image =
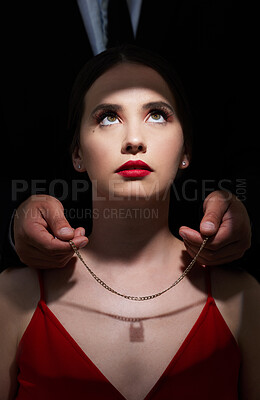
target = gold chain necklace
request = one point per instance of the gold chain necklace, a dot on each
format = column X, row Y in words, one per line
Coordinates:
column 139, row 298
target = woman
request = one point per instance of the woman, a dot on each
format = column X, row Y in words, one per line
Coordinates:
column 121, row 335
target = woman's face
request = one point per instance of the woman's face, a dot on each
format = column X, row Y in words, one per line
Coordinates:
column 130, row 115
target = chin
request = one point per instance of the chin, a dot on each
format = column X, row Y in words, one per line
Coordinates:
column 137, row 191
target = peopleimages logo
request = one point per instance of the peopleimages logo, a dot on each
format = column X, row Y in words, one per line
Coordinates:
column 111, row 213
column 95, row 213
column 187, row 190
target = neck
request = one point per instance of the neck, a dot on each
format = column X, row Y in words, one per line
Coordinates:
column 129, row 231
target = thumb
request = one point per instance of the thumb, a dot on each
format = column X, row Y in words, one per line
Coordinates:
column 214, row 206
column 57, row 223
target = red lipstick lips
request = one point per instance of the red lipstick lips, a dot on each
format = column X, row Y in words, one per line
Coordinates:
column 134, row 169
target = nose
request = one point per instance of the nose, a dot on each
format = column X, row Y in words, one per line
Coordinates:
column 133, row 143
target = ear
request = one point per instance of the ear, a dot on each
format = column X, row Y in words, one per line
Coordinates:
column 78, row 160
column 184, row 163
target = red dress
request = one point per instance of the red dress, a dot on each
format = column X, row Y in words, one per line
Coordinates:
column 53, row 367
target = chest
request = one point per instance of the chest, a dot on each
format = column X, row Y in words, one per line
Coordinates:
column 129, row 344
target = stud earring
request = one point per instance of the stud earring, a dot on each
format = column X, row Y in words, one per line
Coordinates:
column 79, row 166
column 183, row 163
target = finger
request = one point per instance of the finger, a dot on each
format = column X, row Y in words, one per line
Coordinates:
column 215, row 206
column 209, row 257
column 79, row 232
column 53, row 214
column 43, row 240
column 191, row 236
column 80, row 241
column 53, row 244
column 216, row 243
column 40, row 238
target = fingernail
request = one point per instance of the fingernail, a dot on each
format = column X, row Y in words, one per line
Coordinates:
column 183, row 235
column 83, row 244
column 65, row 231
column 208, row 226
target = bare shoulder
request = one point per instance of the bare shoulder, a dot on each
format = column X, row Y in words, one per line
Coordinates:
column 236, row 292
column 19, row 294
column 237, row 295
column 228, row 282
column 19, row 289
column 240, row 287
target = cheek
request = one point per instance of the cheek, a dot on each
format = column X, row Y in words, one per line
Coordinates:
column 96, row 155
column 171, row 150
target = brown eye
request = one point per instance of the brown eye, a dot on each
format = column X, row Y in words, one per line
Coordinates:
column 109, row 119
column 157, row 117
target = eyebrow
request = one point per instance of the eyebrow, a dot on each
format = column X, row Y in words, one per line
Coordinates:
column 117, row 107
column 158, row 104
column 106, row 107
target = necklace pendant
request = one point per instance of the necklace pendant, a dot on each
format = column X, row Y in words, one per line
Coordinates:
column 136, row 331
